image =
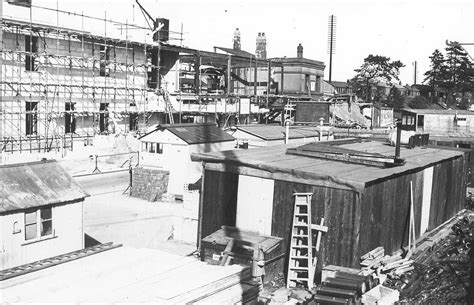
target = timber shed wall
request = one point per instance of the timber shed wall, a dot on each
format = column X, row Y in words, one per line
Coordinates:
column 358, row 222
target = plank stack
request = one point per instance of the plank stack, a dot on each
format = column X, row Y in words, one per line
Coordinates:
column 377, row 262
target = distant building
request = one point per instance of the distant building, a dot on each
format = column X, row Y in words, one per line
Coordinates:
column 40, row 213
column 299, row 75
column 342, row 87
column 438, row 122
column 169, row 147
column 261, row 49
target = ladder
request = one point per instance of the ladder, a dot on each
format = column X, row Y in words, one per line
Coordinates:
column 303, row 253
column 168, row 106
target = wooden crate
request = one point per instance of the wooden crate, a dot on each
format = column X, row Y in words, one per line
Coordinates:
column 268, row 263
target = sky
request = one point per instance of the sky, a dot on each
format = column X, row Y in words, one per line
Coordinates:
column 408, row 31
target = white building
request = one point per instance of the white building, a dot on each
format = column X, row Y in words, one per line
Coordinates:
column 40, row 213
column 169, row 147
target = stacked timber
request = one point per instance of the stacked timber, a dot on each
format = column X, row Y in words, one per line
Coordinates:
column 383, row 265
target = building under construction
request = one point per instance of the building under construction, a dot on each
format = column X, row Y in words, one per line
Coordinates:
column 61, row 85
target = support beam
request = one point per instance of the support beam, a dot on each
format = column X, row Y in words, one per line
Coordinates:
column 229, row 67
column 282, row 78
column 255, row 79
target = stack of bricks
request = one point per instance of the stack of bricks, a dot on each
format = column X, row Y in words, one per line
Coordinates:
column 149, row 184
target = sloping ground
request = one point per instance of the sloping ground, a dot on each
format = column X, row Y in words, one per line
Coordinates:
column 127, row 275
column 443, row 271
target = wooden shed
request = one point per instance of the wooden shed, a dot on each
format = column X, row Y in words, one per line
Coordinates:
column 40, row 213
column 363, row 206
column 169, row 147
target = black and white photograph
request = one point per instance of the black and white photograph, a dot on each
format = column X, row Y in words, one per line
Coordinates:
column 236, row 152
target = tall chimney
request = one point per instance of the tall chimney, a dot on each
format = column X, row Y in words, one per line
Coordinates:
column 261, row 50
column 237, row 39
column 299, row 51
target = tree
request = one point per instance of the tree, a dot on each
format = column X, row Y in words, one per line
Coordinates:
column 376, row 70
column 395, row 98
column 458, row 69
column 437, row 76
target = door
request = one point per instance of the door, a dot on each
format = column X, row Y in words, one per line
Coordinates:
column 255, row 204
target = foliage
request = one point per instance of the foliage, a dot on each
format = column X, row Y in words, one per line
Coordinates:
column 438, row 73
column 376, row 70
column 395, row 98
column 451, row 73
column 419, row 102
column 458, row 67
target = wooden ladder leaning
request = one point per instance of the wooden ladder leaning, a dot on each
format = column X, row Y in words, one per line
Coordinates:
column 303, row 253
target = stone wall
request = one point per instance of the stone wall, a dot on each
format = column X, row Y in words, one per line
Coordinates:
column 149, row 184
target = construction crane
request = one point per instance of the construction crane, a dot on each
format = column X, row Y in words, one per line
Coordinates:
column 156, row 24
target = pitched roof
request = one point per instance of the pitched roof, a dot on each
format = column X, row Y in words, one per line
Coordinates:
column 326, row 172
column 277, row 132
column 196, row 133
column 28, row 185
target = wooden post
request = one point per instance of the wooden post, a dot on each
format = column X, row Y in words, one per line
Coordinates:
column 229, row 65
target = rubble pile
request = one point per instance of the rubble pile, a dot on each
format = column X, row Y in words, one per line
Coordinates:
column 442, row 273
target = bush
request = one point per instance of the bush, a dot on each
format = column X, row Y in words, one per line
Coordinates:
column 419, row 102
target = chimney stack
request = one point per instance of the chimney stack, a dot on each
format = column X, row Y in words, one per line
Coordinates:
column 237, row 39
column 261, row 50
column 299, row 51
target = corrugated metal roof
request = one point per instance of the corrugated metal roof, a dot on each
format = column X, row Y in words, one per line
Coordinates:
column 277, row 132
column 274, row 159
column 196, row 133
column 35, row 184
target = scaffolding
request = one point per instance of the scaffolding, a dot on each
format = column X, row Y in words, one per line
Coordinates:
column 61, row 86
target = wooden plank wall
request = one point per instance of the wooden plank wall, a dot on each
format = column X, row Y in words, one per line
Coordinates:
column 341, row 210
column 220, row 201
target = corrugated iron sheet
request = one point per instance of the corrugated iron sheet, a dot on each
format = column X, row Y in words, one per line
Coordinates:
column 34, row 184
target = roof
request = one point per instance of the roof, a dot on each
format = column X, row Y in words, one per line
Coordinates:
column 28, row 185
column 331, row 173
column 123, row 275
column 340, row 84
column 236, row 52
column 440, row 111
column 277, row 132
column 195, row 133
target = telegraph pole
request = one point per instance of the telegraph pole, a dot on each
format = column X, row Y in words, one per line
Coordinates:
column 331, row 42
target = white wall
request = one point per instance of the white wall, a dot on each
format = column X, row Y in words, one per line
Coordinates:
column 68, row 235
column 176, row 158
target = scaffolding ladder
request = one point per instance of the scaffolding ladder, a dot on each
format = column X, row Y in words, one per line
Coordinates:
column 303, row 253
column 168, row 106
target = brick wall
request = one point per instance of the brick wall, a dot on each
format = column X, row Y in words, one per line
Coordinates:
column 149, row 184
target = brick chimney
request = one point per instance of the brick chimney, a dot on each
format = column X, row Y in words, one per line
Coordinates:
column 261, row 50
column 237, row 39
column 299, row 51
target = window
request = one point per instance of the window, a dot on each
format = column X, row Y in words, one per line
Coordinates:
column 103, row 117
column 69, row 119
column 38, row 223
column 421, row 121
column 31, row 47
column 104, row 59
column 154, row 148
column 31, row 118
